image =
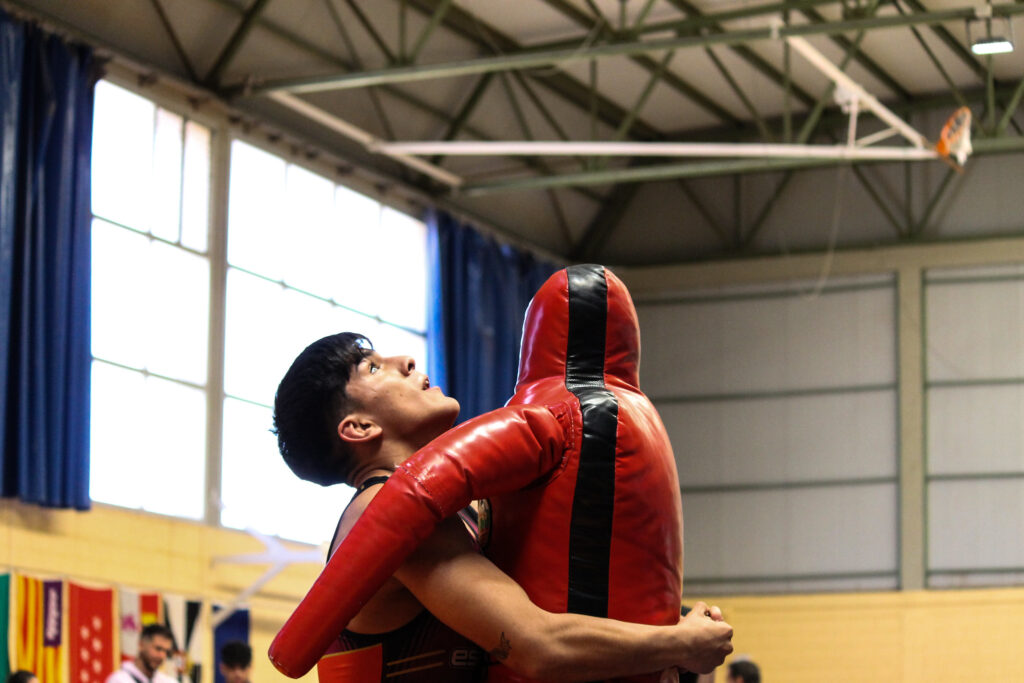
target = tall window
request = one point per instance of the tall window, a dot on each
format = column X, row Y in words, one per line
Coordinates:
column 150, row 303
column 305, row 258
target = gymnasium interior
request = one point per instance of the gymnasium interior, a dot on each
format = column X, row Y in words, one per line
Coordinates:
column 816, row 205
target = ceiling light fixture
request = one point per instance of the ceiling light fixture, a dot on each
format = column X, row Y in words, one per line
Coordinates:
column 986, row 42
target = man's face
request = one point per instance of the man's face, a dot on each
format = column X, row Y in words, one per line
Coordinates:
column 235, row 674
column 399, row 399
column 154, row 650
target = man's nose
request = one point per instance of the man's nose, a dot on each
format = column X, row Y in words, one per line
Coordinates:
column 405, row 364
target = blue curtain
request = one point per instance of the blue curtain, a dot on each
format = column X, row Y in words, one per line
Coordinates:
column 479, row 293
column 45, row 146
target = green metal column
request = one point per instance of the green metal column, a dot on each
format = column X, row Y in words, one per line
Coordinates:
column 910, row 320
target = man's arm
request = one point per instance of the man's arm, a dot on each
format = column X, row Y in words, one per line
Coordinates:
column 471, row 595
column 499, row 452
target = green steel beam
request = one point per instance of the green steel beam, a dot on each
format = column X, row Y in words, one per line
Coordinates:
column 465, row 111
column 1011, row 108
column 644, row 173
column 935, row 60
column 745, row 53
column 525, row 131
column 371, row 31
column 428, row 30
column 929, row 102
column 488, row 38
column 982, row 147
column 604, row 223
column 877, row 198
column 353, row 54
column 551, row 120
column 525, row 59
column 712, row 221
column 331, row 58
column 641, row 17
column 572, row 13
column 950, row 41
column 234, row 43
column 182, row 55
column 811, row 124
column 865, row 61
column 751, row 109
column 762, row 217
column 933, row 202
column 990, row 99
column 641, row 100
column 694, row 25
column 403, row 11
column 787, row 90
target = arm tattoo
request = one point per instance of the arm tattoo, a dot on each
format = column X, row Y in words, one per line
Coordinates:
column 501, row 652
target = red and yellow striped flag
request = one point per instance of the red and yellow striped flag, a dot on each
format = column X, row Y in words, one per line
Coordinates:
column 40, row 619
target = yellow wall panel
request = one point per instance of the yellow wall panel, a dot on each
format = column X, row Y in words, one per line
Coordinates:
column 916, row 637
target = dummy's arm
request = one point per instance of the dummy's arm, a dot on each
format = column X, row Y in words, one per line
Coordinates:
column 496, row 453
column 467, row 592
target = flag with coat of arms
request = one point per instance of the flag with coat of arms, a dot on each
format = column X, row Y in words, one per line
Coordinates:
column 91, row 629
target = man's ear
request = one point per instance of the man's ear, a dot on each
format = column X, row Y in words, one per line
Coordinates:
column 358, row 428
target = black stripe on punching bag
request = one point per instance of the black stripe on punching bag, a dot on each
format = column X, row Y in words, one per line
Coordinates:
column 593, row 502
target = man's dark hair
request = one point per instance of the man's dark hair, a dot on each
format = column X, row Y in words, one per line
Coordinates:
column 310, row 402
column 151, row 630
column 20, row 676
column 746, row 670
column 236, row 655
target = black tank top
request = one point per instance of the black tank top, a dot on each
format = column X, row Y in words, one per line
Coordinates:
column 422, row 651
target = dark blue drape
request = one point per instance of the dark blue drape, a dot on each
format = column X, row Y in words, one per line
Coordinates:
column 479, row 293
column 45, row 146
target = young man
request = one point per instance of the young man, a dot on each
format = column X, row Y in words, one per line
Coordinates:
column 155, row 643
column 344, row 413
column 235, row 662
column 743, row 671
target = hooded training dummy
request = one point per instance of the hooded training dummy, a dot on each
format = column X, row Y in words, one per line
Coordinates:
column 583, row 486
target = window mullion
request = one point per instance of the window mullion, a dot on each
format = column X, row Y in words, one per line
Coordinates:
column 220, row 164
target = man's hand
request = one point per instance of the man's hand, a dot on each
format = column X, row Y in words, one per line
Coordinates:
column 710, row 637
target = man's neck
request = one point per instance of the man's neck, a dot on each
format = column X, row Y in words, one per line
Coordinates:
column 143, row 668
column 382, row 462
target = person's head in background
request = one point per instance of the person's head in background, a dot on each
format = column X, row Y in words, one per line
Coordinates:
column 235, row 662
column 743, row 671
column 156, row 642
column 22, row 676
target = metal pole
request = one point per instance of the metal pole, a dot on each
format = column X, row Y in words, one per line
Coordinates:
column 364, row 138
column 651, row 149
column 844, row 81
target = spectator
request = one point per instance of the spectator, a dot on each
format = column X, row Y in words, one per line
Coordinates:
column 235, row 662
column 155, row 644
column 22, row 676
column 743, row 671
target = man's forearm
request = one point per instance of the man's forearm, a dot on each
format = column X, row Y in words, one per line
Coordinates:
column 464, row 590
column 572, row 647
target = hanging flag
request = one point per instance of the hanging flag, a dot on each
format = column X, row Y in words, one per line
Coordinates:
column 234, row 627
column 136, row 610
column 90, row 633
column 5, row 611
column 130, row 623
column 182, row 617
column 150, row 609
column 40, row 618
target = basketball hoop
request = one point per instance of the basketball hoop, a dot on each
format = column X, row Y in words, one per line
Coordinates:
column 955, row 139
